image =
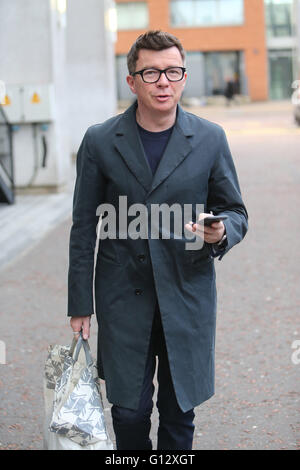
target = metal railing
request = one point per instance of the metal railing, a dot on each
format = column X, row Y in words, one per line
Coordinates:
column 7, row 188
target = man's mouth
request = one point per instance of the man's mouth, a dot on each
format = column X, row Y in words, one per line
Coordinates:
column 162, row 97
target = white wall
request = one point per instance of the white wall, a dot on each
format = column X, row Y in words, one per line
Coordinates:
column 90, row 67
column 36, row 48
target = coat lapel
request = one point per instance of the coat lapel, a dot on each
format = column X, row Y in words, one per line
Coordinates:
column 176, row 151
column 129, row 144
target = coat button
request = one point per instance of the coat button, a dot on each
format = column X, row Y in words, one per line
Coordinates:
column 138, row 291
column 141, row 258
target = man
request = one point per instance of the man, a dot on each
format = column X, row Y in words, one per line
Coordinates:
column 229, row 91
column 153, row 296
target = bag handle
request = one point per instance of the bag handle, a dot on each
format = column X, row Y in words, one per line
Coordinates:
column 76, row 346
column 80, row 341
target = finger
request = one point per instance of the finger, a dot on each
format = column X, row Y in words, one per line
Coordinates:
column 209, row 230
column 189, row 227
column 198, row 232
column 217, row 225
column 202, row 216
column 214, row 229
column 198, row 228
column 86, row 331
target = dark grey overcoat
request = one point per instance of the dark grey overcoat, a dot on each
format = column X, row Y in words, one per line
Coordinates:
column 196, row 168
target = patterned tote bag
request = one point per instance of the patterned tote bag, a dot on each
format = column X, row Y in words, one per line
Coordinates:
column 74, row 418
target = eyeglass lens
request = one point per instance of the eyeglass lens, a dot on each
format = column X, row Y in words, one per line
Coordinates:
column 173, row 74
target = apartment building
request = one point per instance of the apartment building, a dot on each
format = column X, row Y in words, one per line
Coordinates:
column 249, row 41
column 282, row 42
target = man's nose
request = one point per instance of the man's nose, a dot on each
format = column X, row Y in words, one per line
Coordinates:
column 163, row 81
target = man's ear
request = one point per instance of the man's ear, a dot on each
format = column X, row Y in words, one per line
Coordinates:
column 131, row 83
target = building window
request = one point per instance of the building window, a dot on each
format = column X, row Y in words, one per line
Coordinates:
column 132, row 15
column 206, row 12
column 219, row 68
column 280, row 73
column 279, row 17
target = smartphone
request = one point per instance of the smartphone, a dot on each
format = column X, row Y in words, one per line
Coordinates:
column 210, row 219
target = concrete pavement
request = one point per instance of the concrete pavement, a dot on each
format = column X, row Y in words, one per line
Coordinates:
column 256, row 405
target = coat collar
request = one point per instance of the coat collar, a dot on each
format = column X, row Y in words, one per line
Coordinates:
column 128, row 143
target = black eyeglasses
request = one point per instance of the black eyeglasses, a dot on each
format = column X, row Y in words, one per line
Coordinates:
column 173, row 74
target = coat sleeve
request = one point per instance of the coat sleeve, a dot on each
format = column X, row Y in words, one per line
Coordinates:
column 89, row 192
column 224, row 196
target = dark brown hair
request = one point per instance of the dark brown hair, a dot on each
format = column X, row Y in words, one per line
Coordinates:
column 153, row 40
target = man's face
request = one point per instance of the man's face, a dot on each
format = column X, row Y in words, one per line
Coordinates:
column 163, row 95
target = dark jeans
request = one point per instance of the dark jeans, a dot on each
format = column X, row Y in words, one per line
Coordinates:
column 132, row 427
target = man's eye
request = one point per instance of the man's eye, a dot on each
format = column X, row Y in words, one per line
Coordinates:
column 174, row 72
column 149, row 73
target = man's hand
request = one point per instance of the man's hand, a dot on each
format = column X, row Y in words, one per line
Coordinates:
column 212, row 234
column 81, row 324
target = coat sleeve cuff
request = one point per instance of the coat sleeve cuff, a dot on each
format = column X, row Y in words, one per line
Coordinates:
column 218, row 249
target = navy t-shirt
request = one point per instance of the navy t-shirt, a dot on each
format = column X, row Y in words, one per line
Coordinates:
column 154, row 144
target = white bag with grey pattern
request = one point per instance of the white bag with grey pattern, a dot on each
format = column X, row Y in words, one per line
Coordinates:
column 73, row 402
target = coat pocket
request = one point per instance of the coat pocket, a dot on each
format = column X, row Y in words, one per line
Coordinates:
column 198, row 257
column 108, row 252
